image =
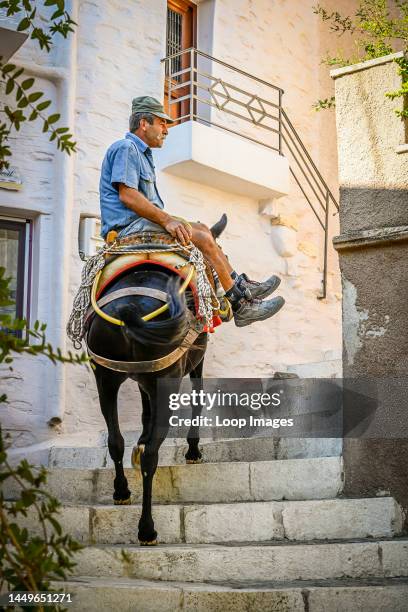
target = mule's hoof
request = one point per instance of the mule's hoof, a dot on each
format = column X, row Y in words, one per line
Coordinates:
column 200, row 460
column 146, row 543
column 122, row 502
column 136, row 454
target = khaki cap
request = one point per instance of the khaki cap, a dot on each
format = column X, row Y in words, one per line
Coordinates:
column 147, row 104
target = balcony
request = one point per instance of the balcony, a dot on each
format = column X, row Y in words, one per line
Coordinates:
column 233, row 132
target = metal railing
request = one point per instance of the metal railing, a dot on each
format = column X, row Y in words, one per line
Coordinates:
column 199, row 91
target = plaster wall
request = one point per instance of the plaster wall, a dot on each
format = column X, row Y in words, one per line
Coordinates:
column 373, row 254
column 117, row 56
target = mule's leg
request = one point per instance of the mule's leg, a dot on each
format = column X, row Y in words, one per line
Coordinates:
column 148, row 462
column 108, row 384
column 146, row 427
column 193, row 455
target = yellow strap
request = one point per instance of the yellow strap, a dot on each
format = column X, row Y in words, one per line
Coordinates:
column 147, row 317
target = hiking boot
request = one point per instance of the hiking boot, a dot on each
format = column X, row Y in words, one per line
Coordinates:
column 256, row 310
column 258, row 291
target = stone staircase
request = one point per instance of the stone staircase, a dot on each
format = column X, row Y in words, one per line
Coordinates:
column 262, row 527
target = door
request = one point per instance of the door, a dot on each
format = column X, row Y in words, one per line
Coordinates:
column 180, row 35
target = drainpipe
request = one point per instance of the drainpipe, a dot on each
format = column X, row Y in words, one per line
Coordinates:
column 65, row 82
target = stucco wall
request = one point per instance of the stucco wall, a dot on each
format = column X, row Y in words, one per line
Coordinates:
column 373, row 254
column 118, row 48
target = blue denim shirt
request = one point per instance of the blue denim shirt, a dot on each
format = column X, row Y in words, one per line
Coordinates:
column 128, row 161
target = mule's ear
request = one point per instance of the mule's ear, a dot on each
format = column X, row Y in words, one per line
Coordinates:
column 219, row 227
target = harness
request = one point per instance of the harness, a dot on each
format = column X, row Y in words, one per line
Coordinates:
column 121, row 255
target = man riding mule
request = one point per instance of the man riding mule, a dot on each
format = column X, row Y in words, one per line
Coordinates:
column 147, row 300
column 130, row 203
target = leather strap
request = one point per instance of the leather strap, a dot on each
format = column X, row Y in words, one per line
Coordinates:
column 148, row 291
column 138, row 367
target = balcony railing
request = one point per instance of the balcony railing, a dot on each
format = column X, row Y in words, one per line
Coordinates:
column 210, row 91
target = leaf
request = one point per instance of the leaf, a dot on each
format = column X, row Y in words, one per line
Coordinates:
column 23, row 102
column 9, row 86
column 7, row 68
column 18, row 72
column 36, row 95
column 53, row 136
column 33, row 116
column 45, row 126
column 43, row 105
column 53, row 118
column 23, row 25
column 27, row 83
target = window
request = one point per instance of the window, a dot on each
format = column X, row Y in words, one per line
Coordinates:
column 180, row 35
column 14, row 252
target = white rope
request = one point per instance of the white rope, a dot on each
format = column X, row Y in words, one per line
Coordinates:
column 82, row 300
column 76, row 321
column 207, row 299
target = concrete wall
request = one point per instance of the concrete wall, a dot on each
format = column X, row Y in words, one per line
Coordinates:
column 373, row 249
column 114, row 56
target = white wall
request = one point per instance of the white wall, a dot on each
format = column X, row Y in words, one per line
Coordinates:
column 118, row 49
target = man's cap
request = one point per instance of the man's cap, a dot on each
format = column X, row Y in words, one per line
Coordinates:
column 147, row 104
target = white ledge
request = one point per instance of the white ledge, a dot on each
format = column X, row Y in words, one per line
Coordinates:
column 213, row 157
column 378, row 61
column 402, row 148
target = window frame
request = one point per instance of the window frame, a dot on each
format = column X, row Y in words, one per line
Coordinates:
column 23, row 280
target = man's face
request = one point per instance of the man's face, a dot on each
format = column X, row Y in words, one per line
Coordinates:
column 153, row 135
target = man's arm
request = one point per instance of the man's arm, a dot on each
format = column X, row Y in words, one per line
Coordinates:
column 133, row 199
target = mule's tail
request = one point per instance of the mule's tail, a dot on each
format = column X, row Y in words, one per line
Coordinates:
column 168, row 331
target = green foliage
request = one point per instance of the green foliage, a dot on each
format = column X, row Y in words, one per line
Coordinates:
column 326, row 103
column 30, row 562
column 403, row 91
column 26, row 106
column 32, row 341
column 378, row 27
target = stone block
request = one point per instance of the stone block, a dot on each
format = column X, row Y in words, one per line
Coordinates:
column 395, row 558
column 318, row 478
column 119, row 524
column 245, row 522
column 342, row 518
column 362, row 598
column 212, row 563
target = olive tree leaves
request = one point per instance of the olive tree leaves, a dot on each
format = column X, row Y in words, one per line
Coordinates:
column 29, row 104
column 378, row 28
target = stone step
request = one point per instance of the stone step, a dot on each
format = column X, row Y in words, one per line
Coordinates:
column 246, row 449
column 292, row 479
column 237, row 522
column 257, row 563
column 96, row 594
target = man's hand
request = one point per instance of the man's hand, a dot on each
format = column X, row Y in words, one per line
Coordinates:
column 178, row 230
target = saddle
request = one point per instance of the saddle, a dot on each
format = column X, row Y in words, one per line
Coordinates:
column 157, row 249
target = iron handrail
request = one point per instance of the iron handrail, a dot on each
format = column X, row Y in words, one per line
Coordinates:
column 289, row 141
